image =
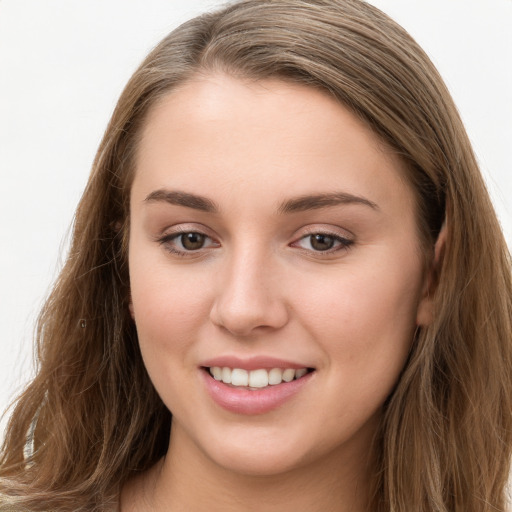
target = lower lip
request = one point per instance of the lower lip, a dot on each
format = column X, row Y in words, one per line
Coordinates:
column 249, row 402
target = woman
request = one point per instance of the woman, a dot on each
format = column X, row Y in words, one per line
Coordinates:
column 278, row 245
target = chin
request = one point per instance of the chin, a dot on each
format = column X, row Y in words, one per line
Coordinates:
column 261, row 451
column 258, row 463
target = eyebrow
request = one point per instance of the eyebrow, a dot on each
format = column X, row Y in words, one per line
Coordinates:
column 317, row 201
column 183, row 199
column 294, row 205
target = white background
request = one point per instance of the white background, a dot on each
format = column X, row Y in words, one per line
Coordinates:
column 63, row 64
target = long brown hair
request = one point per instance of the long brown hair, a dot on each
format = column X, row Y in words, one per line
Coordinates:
column 91, row 417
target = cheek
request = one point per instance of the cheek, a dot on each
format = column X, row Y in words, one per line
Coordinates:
column 168, row 317
column 365, row 326
column 367, row 316
column 170, row 307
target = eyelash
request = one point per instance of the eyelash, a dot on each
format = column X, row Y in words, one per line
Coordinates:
column 341, row 243
column 168, row 241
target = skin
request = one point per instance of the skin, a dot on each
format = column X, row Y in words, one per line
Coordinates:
column 259, row 287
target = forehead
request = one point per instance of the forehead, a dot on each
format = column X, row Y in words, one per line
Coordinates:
column 217, row 130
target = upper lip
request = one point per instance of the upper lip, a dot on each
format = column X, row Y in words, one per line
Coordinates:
column 251, row 363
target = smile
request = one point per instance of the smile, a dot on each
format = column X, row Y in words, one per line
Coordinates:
column 256, row 379
column 260, row 387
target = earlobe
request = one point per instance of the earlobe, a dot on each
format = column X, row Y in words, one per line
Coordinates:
column 425, row 313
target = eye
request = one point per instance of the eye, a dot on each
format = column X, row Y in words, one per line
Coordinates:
column 187, row 242
column 323, row 242
column 192, row 241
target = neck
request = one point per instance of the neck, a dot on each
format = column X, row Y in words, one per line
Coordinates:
column 187, row 479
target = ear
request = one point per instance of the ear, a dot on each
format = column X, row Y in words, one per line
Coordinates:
column 425, row 312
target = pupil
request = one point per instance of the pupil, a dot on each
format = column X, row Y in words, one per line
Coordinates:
column 321, row 242
column 192, row 241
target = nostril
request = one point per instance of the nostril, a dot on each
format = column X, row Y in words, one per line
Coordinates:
column 242, row 318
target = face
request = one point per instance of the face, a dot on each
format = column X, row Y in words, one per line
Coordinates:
column 273, row 244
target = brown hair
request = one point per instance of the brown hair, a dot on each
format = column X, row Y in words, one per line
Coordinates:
column 91, row 415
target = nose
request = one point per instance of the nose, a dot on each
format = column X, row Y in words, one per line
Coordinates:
column 250, row 296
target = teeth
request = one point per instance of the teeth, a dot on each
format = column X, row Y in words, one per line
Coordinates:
column 300, row 373
column 239, row 377
column 288, row 374
column 256, row 379
column 226, row 375
column 275, row 376
column 216, row 372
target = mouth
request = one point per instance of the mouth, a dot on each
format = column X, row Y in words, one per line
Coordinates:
column 257, row 379
column 255, row 385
